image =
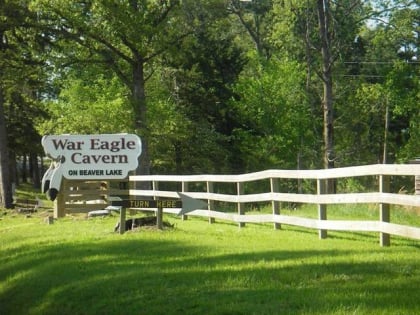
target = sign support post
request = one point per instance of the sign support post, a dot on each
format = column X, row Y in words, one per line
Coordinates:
column 122, row 220
column 159, row 218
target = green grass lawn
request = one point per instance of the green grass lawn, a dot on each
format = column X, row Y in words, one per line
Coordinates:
column 80, row 266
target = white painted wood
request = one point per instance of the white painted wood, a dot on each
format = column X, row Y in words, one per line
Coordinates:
column 354, row 171
column 396, row 199
column 378, row 170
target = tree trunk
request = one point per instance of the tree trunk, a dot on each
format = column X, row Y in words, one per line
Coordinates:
column 6, row 198
column 13, row 173
column 36, row 175
column 24, row 168
column 140, row 111
column 327, row 101
column 386, row 128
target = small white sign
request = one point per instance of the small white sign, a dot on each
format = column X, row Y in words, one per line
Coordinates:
column 90, row 157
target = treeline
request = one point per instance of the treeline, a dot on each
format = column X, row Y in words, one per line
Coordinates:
column 212, row 86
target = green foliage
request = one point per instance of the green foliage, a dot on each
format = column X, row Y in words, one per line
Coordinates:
column 22, row 76
column 20, row 110
column 214, row 86
column 383, row 74
column 364, row 123
column 91, row 103
column 275, row 114
column 199, row 79
column 255, row 18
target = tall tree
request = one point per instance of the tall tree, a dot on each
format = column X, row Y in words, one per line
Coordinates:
column 201, row 81
column 275, row 129
column 325, row 35
column 5, row 175
column 20, row 77
column 125, row 36
column 320, row 34
column 5, row 182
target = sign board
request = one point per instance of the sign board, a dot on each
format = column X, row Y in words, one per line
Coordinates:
column 185, row 202
column 106, row 156
column 89, row 157
column 138, row 203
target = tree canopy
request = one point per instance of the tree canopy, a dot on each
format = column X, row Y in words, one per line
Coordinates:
column 214, row 86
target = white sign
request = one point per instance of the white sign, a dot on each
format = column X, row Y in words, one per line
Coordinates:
column 89, row 157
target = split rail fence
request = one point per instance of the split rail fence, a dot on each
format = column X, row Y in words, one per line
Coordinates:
column 383, row 198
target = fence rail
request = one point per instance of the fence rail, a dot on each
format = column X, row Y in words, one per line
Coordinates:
column 383, row 197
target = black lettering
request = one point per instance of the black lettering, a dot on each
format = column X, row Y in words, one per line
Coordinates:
column 66, row 144
column 78, row 158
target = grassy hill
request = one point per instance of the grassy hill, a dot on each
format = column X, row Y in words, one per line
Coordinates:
column 80, row 266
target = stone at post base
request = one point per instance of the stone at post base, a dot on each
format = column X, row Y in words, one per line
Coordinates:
column 49, row 220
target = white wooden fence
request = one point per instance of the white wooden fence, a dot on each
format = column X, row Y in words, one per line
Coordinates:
column 383, row 197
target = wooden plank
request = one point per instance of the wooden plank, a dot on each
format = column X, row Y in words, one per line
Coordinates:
column 398, row 199
column 74, row 208
column 85, row 192
column 383, row 197
column 365, row 170
column 400, row 230
column 24, row 201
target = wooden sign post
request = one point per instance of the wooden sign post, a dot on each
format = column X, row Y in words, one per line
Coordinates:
column 186, row 204
column 78, row 158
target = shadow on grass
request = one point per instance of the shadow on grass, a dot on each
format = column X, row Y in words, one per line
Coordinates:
column 136, row 276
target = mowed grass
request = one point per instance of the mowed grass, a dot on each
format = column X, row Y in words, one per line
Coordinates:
column 80, row 266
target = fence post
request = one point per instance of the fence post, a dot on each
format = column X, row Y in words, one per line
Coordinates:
column 59, row 206
column 322, row 208
column 155, row 186
column 60, row 201
column 384, row 214
column 184, row 188
column 274, row 184
column 210, row 202
column 241, row 208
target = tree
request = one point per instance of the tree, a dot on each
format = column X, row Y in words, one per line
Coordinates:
column 20, row 78
column 319, row 34
column 275, row 130
column 125, row 36
column 200, row 78
column 325, row 35
column 386, row 98
column 5, row 182
column 90, row 102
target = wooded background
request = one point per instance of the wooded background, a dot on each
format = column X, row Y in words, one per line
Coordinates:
column 212, row 86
